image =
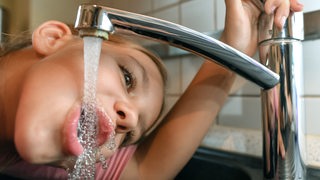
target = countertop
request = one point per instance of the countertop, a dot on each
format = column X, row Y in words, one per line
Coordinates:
column 249, row 141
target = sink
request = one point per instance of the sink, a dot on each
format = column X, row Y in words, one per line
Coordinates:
column 215, row 164
column 208, row 163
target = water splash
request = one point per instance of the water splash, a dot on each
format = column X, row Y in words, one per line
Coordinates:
column 87, row 128
column 84, row 167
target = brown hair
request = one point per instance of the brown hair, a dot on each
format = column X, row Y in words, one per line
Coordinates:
column 15, row 42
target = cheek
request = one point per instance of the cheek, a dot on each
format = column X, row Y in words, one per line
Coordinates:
column 155, row 104
column 46, row 97
column 108, row 78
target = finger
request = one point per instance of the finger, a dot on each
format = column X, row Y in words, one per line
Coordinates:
column 281, row 148
column 296, row 6
column 271, row 5
column 281, row 14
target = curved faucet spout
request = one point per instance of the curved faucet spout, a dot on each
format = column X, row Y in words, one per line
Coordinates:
column 92, row 18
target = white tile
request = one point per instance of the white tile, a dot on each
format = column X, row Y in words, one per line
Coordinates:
column 170, row 101
column 169, row 14
column 311, row 63
column 122, row 4
column 198, row 15
column 140, row 6
column 310, row 5
column 244, row 87
column 163, row 3
column 190, row 66
column 220, row 14
column 312, row 115
column 241, row 112
column 174, row 76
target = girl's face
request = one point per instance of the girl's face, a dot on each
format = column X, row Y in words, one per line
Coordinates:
column 129, row 94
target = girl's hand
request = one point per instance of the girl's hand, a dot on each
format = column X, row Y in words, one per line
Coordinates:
column 242, row 16
column 281, row 9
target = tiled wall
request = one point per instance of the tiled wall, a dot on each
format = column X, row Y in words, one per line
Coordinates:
column 243, row 106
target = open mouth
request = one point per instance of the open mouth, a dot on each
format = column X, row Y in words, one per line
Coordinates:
column 100, row 130
column 95, row 125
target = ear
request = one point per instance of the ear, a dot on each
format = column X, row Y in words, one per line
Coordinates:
column 50, row 36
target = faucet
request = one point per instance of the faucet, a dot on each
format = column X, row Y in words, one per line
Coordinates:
column 276, row 73
column 283, row 137
column 100, row 21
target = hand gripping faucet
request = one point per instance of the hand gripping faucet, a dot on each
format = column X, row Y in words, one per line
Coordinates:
column 283, row 135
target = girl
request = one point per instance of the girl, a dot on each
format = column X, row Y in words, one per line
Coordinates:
column 41, row 91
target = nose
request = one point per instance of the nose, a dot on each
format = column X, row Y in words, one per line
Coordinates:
column 127, row 117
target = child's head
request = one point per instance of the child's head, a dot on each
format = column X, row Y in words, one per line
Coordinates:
column 130, row 91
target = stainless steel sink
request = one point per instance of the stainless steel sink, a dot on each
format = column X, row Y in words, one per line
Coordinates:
column 214, row 164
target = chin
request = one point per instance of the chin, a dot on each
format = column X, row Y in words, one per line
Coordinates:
column 33, row 148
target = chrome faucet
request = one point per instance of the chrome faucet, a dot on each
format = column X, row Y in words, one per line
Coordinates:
column 283, row 137
column 280, row 54
column 100, row 21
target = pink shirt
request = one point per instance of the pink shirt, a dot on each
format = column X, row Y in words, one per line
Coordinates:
column 116, row 164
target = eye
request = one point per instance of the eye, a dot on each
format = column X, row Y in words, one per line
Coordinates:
column 128, row 77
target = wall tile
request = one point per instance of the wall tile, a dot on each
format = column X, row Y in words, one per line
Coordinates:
column 310, row 5
column 123, row 4
column 140, row 6
column 190, row 66
column 242, row 112
column 170, row 14
column 163, row 3
column 311, row 65
column 220, row 14
column 174, row 76
column 198, row 15
column 170, row 100
column 312, row 115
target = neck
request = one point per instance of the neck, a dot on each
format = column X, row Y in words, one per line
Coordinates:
column 12, row 70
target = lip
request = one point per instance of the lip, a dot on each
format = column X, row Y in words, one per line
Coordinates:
column 71, row 143
column 105, row 127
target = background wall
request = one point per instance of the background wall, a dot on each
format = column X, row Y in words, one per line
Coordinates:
column 243, row 107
